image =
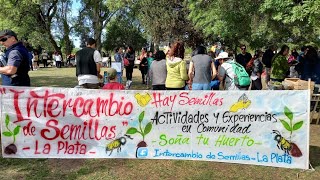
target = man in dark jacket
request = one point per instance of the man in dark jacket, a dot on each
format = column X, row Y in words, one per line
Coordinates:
column 15, row 71
column 267, row 61
column 244, row 57
column 88, row 62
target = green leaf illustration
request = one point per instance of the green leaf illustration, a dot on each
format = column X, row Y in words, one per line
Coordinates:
column 148, row 128
column 288, row 113
column 16, row 130
column 141, row 116
column 7, row 120
column 132, row 130
column 7, row 133
column 297, row 125
column 285, row 125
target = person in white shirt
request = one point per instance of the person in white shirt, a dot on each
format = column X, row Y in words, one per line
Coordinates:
column 225, row 72
column 58, row 59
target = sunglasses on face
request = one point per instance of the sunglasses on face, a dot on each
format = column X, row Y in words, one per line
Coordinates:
column 243, row 48
column 4, row 39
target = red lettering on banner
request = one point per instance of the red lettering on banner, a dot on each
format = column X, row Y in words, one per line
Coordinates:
column 51, row 108
column 33, row 100
column 76, row 107
column 45, row 150
column 207, row 100
column 91, row 130
column 56, row 105
column 64, row 147
column 56, row 130
column 16, row 106
column 66, row 104
column 159, row 100
column 29, row 130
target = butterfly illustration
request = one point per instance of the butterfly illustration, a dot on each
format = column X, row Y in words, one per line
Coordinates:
column 242, row 103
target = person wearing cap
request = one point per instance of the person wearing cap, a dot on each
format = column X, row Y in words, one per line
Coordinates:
column 113, row 84
column 15, row 72
column 226, row 72
column 88, row 62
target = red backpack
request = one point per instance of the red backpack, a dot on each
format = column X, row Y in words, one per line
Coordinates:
column 249, row 66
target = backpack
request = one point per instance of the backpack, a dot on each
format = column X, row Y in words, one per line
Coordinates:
column 249, row 67
column 242, row 78
column 126, row 62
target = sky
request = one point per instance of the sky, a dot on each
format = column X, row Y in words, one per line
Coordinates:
column 75, row 7
column 74, row 10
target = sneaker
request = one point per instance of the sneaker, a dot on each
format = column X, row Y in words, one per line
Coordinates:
column 128, row 84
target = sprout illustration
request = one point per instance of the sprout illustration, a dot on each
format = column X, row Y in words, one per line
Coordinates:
column 290, row 126
column 141, row 131
column 12, row 148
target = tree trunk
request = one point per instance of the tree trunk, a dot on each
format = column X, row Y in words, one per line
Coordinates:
column 156, row 44
column 97, row 37
column 54, row 43
column 152, row 45
column 97, row 23
column 66, row 37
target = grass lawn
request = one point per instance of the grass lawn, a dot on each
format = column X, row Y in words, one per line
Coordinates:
column 137, row 168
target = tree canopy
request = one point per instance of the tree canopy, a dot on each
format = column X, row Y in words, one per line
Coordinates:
column 51, row 24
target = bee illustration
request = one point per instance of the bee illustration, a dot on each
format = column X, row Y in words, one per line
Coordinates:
column 242, row 103
column 287, row 146
column 142, row 100
column 116, row 144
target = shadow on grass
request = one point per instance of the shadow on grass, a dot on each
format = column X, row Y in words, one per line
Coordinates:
column 315, row 156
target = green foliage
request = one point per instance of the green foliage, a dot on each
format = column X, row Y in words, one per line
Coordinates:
column 141, row 116
column 285, row 125
column 229, row 20
column 148, row 128
column 93, row 18
column 143, row 132
column 258, row 23
column 124, row 32
column 297, row 125
column 301, row 18
column 10, row 133
column 132, row 130
column 289, row 126
column 288, row 113
column 163, row 20
column 27, row 17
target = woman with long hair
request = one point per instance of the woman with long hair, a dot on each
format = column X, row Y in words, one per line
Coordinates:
column 280, row 66
column 201, row 70
column 158, row 71
column 143, row 67
column 176, row 68
column 255, row 68
column 130, row 55
column 35, row 60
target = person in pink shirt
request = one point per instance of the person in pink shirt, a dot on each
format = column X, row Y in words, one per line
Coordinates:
column 113, row 84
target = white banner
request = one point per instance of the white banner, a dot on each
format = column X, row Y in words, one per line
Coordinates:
column 269, row 128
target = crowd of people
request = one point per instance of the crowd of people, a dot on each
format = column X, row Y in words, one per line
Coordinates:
column 221, row 69
column 218, row 69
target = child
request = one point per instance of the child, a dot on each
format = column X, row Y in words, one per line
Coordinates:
column 113, row 84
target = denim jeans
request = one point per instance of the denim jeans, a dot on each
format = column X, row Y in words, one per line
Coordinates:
column 199, row 86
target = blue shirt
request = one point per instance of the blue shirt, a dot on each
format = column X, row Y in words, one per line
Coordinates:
column 17, row 56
